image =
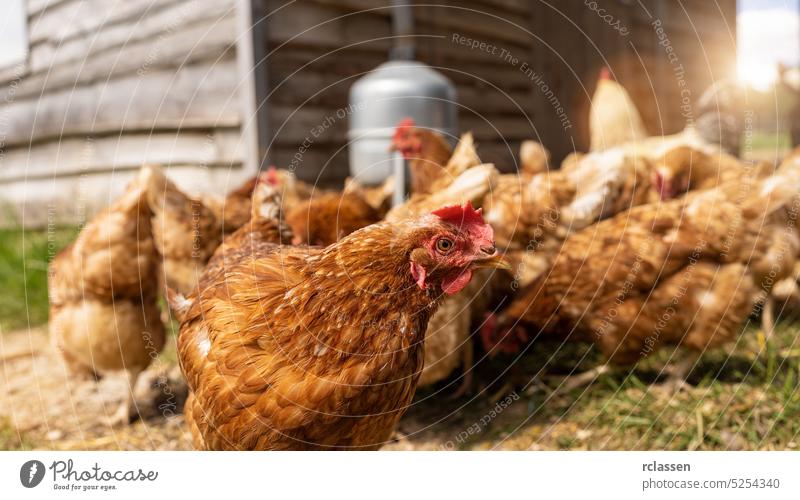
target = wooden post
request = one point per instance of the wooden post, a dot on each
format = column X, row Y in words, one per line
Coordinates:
column 252, row 65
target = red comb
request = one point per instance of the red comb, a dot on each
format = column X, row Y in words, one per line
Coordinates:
column 271, row 176
column 402, row 128
column 456, row 214
column 407, row 122
column 469, row 220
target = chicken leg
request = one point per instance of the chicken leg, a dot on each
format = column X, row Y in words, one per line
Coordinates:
column 768, row 317
column 582, row 379
column 467, row 360
column 677, row 373
column 127, row 409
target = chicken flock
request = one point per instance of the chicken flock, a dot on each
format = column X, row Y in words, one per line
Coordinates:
column 308, row 318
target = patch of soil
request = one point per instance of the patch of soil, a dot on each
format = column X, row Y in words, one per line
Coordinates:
column 49, row 408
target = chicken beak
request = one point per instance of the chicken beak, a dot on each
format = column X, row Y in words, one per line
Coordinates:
column 494, row 261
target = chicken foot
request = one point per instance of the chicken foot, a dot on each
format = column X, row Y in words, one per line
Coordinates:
column 467, row 361
column 128, row 408
column 582, row 379
column 677, row 373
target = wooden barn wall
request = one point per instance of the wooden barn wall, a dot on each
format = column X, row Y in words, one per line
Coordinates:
column 315, row 49
column 110, row 85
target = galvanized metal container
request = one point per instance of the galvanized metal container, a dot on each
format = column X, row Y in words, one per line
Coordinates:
column 379, row 100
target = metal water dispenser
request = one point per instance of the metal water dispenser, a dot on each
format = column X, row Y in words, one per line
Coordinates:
column 395, row 90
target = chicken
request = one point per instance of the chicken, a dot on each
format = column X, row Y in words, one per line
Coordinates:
column 616, row 124
column 463, row 158
column 571, row 161
column 102, row 292
column 185, row 230
column 461, row 178
column 265, row 228
column 293, row 191
column 683, row 169
column 448, row 342
column 613, row 117
column 448, row 339
column 523, row 210
column 325, row 218
column 606, row 184
column 379, row 197
column 472, row 185
column 532, row 215
column 785, row 295
column 426, row 152
column 686, row 272
column 307, row 348
column 533, row 158
column 233, row 211
column 720, row 117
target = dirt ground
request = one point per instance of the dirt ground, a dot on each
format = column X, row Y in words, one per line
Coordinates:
column 741, row 401
column 45, row 408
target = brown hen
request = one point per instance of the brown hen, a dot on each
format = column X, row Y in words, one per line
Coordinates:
column 684, row 169
column 533, row 214
column 685, row 272
column 265, row 228
column 325, row 218
column 232, row 211
column 305, row 348
column 426, row 152
column 185, row 230
column 102, row 291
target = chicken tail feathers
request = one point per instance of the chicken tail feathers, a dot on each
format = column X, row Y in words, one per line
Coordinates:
column 776, row 192
column 179, row 304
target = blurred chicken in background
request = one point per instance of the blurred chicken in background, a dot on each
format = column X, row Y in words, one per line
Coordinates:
column 613, row 117
column 103, row 291
column 185, row 230
column 687, row 272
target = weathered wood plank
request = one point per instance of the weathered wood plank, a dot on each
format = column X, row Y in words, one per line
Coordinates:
column 330, row 90
column 33, row 7
column 323, row 26
column 90, row 154
column 207, row 40
column 64, row 21
column 197, row 96
column 160, row 30
column 75, row 199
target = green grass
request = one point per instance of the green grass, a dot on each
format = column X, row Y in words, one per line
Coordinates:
column 10, row 439
column 24, row 255
column 745, row 397
column 763, row 145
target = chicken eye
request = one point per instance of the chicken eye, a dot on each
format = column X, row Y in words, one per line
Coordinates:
column 444, row 245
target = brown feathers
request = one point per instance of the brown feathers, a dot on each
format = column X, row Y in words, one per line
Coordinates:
column 308, row 348
column 326, row 218
column 634, row 282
